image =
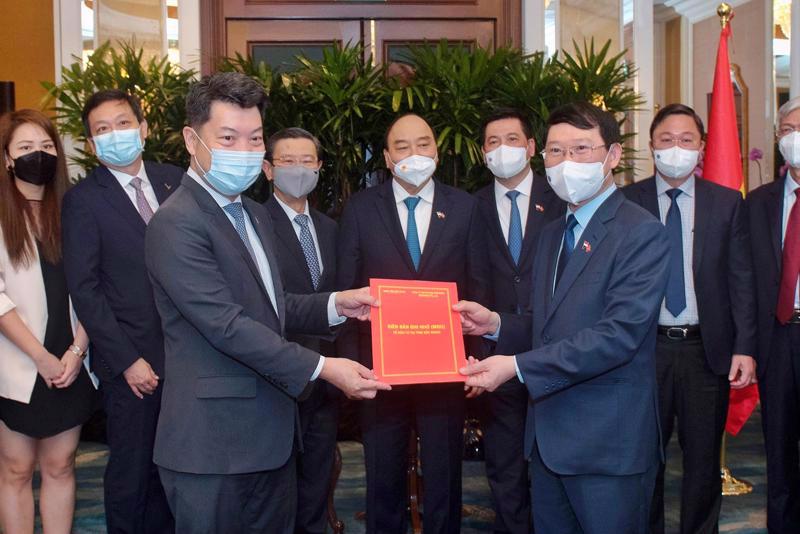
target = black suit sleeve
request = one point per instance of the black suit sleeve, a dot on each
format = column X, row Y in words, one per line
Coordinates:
column 307, row 314
column 81, row 251
column 742, row 283
column 479, row 286
column 348, row 268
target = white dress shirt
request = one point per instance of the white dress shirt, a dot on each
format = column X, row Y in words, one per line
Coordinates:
column 686, row 203
column 297, row 228
column 422, row 213
column 125, row 181
column 504, row 203
column 262, row 262
column 789, row 199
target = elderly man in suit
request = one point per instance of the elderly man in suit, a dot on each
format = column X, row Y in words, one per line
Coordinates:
column 227, row 434
column 592, row 433
column 774, row 215
column 412, row 227
column 515, row 208
column 305, row 247
column 706, row 326
column 104, row 221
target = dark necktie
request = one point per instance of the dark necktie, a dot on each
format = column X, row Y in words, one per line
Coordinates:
column 514, row 227
column 412, row 238
column 309, row 249
column 676, row 288
column 790, row 266
column 567, row 246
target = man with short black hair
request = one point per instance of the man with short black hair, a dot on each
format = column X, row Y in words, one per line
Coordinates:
column 706, row 327
column 515, row 207
column 226, row 438
column 104, row 220
column 598, row 279
column 306, row 252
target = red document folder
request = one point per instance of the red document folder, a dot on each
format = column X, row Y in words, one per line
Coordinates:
column 416, row 336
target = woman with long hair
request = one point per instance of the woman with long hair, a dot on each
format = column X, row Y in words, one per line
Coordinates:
column 46, row 393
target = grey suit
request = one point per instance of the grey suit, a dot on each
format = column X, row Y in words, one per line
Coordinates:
column 229, row 403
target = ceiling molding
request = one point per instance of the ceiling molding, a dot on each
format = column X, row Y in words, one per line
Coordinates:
column 697, row 10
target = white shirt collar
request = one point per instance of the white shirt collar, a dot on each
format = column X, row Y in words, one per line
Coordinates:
column 124, row 179
column 400, row 194
column 524, row 187
column 289, row 211
column 789, row 185
column 219, row 198
column 687, row 187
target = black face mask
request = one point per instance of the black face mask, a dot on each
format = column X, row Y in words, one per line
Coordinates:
column 37, row 168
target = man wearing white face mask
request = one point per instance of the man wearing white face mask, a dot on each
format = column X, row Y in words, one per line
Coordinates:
column 305, row 247
column 226, row 439
column 412, row 228
column 515, row 207
column 774, row 215
column 588, row 350
column 706, row 328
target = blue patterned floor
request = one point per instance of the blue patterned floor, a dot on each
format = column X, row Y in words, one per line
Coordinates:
column 741, row 515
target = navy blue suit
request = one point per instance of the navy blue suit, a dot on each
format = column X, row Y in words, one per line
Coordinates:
column 503, row 411
column 372, row 245
column 319, row 407
column 592, row 431
column 778, row 358
column 103, row 247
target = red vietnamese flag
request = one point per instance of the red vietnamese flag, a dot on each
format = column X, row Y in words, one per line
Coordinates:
column 723, row 165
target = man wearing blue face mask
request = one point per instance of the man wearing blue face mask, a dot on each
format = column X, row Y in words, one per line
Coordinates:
column 598, row 280
column 707, row 323
column 104, row 222
column 412, row 227
column 306, row 252
column 226, row 440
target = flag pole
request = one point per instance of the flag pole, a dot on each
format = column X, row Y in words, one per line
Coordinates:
column 730, row 484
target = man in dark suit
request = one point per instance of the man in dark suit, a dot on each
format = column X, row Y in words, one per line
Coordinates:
column 104, row 221
column 412, row 228
column 592, row 430
column 774, row 217
column 515, row 207
column 305, row 248
column 226, row 436
column 706, row 328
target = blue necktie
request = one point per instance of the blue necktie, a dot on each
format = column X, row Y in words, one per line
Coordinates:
column 514, row 227
column 309, row 250
column 412, row 239
column 234, row 209
column 567, row 246
column 676, row 290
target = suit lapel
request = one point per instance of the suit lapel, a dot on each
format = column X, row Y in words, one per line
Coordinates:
column 328, row 253
column 286, row 234
column 161, row 188
column 552, row 245
column 441, row 207
column 648, row 197
column 537, row 217
column 264, row 232
column 387, row 210
column 775, row 213
column 116, row 196
column 703, row 202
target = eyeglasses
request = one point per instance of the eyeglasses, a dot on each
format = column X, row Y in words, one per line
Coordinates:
column 289, row 161
column 576, row 152
column 787, row 129
column 668, row 142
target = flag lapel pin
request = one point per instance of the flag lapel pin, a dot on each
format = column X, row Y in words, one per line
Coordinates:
column 587, row 247
column 539, row 208
column 167, row 186
column 440, row 214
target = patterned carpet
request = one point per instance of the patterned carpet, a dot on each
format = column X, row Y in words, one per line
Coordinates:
column 741, row 515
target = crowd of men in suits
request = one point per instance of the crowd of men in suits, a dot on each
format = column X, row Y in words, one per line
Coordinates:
column 596, row 316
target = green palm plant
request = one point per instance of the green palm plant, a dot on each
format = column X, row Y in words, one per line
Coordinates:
column 160, row 86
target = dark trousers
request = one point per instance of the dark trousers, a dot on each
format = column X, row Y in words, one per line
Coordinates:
column 779, row 385
column 318, row 422
column 438, row 413
column 691, row 393
column 503, row 415
column 250, row 503
column 134, row 498
column 589, row 504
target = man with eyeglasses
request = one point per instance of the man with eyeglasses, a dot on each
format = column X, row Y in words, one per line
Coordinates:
column 589, row 360
column 306, row 254
column 706, row 325
column 774, row 215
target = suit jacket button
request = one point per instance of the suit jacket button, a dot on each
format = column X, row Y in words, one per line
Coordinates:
column 517, row 279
